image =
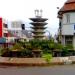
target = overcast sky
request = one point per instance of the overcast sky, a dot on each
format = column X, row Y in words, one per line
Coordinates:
column 24, row 9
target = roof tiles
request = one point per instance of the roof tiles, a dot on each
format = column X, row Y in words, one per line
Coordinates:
column 68, row 6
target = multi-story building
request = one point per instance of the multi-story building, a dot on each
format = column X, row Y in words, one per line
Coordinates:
column 3, row 31
column 3, row 28
column 18, row 31
column 66, row 17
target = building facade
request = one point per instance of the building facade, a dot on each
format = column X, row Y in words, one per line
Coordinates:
column 66, row 17
column 8, row 36
column 18, row 31
column 3, row 29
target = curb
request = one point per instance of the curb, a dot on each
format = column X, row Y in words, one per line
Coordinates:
column 4, row 61
column 30, row 64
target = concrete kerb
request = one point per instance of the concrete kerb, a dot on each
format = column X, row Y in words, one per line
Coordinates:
column 36, row 61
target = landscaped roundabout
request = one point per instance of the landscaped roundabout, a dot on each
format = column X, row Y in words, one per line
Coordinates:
column 37, row 53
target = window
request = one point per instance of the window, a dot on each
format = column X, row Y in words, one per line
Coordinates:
column 74, row 27
column 5, row 25
column 68, row 18
column 23, row 26
column 5, row 34
column 68, row 40
column 16, row 24
column 59, row 25
column 16, row 32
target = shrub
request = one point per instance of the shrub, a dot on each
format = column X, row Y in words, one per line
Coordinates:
column 47, row 57
column 58, row 46
column 1, row 51
column 69, row 46
column 65, row 51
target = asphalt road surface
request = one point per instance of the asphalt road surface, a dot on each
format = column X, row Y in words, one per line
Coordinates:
column 55, row 70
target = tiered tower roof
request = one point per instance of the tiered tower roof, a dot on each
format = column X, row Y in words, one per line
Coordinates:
column 38, row 25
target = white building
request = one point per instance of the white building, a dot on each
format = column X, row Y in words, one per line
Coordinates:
column 18, row 32
column 16, row 25
column 66, row 17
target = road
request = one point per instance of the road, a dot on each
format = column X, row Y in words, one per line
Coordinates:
column 55, row 70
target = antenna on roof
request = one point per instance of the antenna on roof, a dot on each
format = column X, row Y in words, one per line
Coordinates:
column 38, row 13
column 41, row 12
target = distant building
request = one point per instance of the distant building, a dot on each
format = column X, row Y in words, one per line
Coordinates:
column 66, row 17
column 3, row 28
column 17, row 25
column 3, row 32
column 18, row 31
column 15, row 35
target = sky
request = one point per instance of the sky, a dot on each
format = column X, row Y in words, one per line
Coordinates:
column 24, row 9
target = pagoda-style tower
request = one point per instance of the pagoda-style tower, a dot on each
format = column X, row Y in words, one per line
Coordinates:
column 38, row 25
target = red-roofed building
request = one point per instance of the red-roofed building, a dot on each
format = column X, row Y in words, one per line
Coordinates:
column 66, row 17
